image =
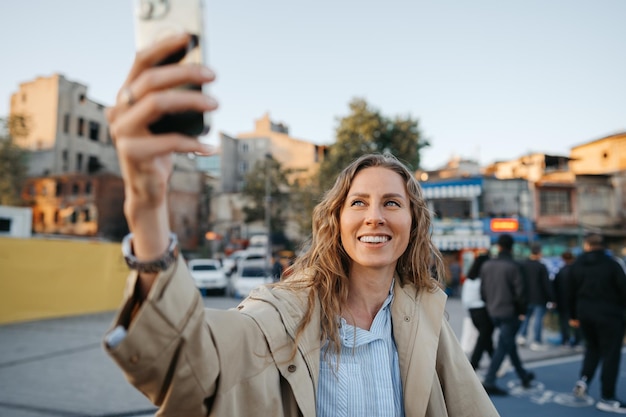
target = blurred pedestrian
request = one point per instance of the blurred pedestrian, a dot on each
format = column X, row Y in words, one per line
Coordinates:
column 502, row 288
column 539, row 295
column 597, row 299
column 277, row 267
column 473, row 302
column 454, row 280
column 570, row 336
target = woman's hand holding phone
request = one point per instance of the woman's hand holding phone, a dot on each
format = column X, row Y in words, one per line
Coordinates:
column 145, row 158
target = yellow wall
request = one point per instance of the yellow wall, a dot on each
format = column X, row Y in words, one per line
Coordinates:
column 53, row 278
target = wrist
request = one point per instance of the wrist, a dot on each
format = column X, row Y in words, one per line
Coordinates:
column 150, row 229
column 154, row 265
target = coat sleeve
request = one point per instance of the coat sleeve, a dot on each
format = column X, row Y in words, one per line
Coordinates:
column 463, row 392
column 547, row 284
column 520, row 288
column 168, row 353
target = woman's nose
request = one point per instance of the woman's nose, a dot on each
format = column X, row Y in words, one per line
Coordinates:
column 374, row 216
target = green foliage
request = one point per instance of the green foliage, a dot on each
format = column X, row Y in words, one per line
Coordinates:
column 366, row 130
column 13, row 161
column 304, row 197
column 279, row 192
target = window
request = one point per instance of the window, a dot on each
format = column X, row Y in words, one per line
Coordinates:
column 64, row 155
column 81, row 126
column 75, row 188
column 5, row 225
column 93, row 164
column 66, row 123
column 59, row 189
column 79, row 162
column 94, row 130
column 244, row 147
column 88, row 187
column 243, row 167
column 81, row 98
column 598, row 199
column 555, row 202
column 87, row 216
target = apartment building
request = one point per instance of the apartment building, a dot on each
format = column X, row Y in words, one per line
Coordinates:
column 66, row 131
column 240, row 153
column 238, row 156
column 600, row 169
column 74, row 185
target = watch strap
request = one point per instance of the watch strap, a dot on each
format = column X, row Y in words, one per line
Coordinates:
column 153, row 266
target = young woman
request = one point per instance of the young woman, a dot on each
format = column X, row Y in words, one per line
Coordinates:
column 358, row 327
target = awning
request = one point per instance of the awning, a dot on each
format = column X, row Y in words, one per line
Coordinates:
column 452, row 191
column 456, row 242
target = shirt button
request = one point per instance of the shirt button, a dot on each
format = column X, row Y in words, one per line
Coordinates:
column 239, row 307
column 291, row 368
column 407, row 318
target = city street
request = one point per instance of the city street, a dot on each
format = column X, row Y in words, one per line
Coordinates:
column 551, row 393
column 58, row 368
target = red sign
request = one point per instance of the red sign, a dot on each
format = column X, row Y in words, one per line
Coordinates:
column 504, row 225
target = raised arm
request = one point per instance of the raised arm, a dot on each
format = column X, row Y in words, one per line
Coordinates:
column 145, row 158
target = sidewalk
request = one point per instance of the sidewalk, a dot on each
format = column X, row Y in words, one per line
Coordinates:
column 58, row 368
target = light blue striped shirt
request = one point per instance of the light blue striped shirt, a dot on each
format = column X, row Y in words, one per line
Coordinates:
column 367, row 382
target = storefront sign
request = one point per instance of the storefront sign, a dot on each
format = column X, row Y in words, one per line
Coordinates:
column 504, row 225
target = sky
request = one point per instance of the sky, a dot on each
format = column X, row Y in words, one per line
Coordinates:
column 487, row 80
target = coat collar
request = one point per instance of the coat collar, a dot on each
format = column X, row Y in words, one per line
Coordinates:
column 416, row 316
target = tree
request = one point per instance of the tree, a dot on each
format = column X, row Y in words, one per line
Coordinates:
column 13, row 160
column 279, row 192
column 304, row 197
column 366, row 130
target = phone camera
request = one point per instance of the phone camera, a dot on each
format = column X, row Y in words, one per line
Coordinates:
column 153, row 9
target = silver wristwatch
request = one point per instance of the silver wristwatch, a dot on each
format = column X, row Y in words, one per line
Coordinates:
column 156, row 265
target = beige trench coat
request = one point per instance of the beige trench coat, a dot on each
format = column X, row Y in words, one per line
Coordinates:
column 195, row 362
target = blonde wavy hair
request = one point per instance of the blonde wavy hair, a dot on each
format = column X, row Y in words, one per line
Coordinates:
column 324, row 266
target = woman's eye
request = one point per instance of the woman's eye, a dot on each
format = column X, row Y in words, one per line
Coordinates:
column 357, row 203
column 392, row 203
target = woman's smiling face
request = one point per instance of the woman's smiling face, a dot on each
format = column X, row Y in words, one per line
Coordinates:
column 375, row 219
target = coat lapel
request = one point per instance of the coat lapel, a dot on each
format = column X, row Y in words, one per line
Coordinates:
column 301, row 372
column 416, row 324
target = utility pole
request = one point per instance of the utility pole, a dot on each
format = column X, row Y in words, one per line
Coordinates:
column 268, row 206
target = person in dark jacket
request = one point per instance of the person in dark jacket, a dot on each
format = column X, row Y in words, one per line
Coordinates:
column 502, row 288
column 539, row 293
column 570, row 336
column 597, row 298
column 277, row 267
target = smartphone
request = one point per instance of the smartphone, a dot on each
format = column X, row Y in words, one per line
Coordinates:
column 155, row 19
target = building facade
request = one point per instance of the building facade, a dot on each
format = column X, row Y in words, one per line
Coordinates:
column 75, row 187
column 238, row 156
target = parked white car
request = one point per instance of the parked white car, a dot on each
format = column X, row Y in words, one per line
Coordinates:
column 250, row 275
column 230, row 262
column 208, row 275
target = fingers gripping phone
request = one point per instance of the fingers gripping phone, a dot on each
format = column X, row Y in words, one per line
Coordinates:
column 155, row 19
